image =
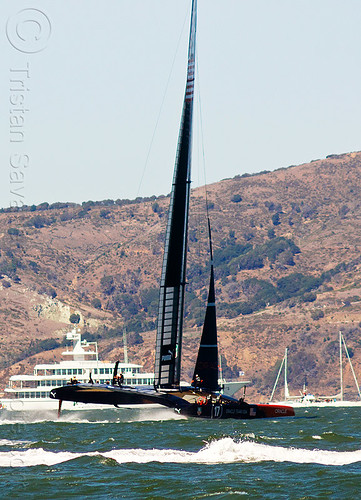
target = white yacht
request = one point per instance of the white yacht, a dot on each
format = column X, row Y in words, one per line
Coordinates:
column 31, row 392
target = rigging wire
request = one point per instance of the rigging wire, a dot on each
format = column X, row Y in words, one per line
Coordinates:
column 201, row 161
column 161, row 106
column 202, row 141
column 206, row 194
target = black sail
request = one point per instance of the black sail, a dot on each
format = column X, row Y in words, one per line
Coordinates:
column 171, row 301
column 206, row 369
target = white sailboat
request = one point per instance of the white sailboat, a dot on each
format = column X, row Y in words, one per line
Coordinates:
column 306, row 399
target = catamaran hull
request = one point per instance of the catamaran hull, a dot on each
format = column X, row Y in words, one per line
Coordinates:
column 184, row 402
column 112, row 395
column 40, row 406
column 240, row 411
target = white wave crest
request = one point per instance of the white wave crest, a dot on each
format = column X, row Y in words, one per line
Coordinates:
column 156, row 415
column 36, row 456
column 225, row 450
column 135, row 415
column 9, row 442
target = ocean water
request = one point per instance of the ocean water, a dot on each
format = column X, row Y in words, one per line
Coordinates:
column 149, row 453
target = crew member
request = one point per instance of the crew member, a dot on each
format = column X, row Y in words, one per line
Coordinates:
column 120, row 379
column 197, row 381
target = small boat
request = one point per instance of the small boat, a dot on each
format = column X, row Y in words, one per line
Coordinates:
column 32, row 392
column 203, row 397
column 306, row 399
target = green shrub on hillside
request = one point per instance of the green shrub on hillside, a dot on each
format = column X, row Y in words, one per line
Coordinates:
column 107, row 285
column 149, row 300
column 96, row 303
column 296, row 284
column 276, row 219
column 9, row 266
column 74, row 318
column 39, row 221
column 317, row 314
column 309, row 297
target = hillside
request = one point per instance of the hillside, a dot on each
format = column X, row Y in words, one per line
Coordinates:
column 288, row 273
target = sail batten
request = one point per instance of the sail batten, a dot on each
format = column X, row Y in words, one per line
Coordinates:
column 173, row 277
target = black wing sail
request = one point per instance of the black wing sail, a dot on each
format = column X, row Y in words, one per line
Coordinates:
column 206, row 369
column 172, row 286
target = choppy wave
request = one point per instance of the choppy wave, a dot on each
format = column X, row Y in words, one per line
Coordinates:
column 13, row 442
column 81, row 417
column 69, row 419
column 225, row 450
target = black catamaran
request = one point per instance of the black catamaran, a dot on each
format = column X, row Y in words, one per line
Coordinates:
column 203, row 397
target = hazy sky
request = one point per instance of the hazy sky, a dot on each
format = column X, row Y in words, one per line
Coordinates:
column 82, row 84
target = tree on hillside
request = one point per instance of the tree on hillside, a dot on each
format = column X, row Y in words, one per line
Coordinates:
column 74, row 318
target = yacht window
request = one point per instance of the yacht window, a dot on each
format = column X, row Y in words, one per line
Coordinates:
column 101, row 371
column 63, row 372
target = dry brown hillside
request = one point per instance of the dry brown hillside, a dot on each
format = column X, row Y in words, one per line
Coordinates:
column 288, row 272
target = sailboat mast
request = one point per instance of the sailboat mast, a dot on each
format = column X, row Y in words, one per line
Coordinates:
column 125, row 346
column 277, row 378
column 286, row 382
column 173, row 279
column 352, row 370
column 341, row 371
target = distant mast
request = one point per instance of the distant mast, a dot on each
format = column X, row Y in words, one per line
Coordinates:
column 171, row 301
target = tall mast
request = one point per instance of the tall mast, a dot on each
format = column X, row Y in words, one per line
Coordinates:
column 173, row 279
column 125, row 346
column 287, row 394
column 341, row 371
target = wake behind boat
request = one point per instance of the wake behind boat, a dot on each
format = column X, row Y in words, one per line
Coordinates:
column 203, row 397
